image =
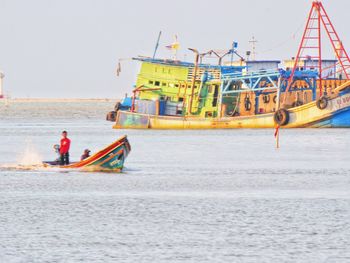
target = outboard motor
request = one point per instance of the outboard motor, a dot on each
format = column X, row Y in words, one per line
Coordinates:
column 124, row 105
column 111, row 116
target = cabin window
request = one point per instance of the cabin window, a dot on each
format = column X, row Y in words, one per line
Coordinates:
column 176, row 85
column 164, row 84
column 181, row 99
column 212, row 88
column 171, row 85
column 150, row 82
column 164, row 70
column 157, row 83
column 215, row 95
column 189, row 86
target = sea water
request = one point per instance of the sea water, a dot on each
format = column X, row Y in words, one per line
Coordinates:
column 184, row 196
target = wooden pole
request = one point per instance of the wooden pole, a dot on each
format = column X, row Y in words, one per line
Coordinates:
column 278, row 105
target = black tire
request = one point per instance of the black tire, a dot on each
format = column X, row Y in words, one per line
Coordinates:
column 247, row 104
column 266, row 99
column 275, row 99
column 281, row 117
column 322, row 103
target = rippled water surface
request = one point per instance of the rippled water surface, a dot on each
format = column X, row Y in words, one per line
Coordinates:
column 185, row 196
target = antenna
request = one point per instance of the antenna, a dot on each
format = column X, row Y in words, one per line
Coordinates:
column 233, row 50
column 253, row 42
column 157, row 44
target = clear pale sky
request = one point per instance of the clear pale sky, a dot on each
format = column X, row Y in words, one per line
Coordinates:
column 70, row 48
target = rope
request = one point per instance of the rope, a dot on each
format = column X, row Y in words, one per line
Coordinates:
column 284, row 42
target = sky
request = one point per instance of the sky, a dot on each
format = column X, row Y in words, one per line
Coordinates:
column 70, row 48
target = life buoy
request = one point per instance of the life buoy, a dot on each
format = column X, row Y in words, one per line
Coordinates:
column 281, row 117
column 266, row 98
column 322, row 103
column 275, row 99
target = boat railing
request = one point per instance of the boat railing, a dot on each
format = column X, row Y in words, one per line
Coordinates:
column 251, row 81
column 251, row 74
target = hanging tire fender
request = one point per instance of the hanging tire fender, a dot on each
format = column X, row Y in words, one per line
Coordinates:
column 281, row 117
column 322, row 103
column 266, row 98
column 275, row 99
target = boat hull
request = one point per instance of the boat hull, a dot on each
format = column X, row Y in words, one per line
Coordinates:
column 335, row 115
column 110, row 159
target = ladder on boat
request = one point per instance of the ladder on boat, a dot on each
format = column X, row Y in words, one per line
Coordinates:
column 311, row 42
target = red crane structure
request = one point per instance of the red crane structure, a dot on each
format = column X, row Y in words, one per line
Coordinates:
column 311, row 44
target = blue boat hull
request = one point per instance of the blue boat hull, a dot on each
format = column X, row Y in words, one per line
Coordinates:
column 339, row 119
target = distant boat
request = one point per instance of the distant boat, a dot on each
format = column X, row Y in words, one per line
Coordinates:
column 110, row 159
column 1, row 83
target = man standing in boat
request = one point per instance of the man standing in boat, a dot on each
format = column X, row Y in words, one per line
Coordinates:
column 64, row 149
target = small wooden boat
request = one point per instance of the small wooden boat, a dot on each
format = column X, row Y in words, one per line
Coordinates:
column 110, row 159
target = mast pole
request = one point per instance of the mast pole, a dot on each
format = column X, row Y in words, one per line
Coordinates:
column 319, row 46
column 157, row 44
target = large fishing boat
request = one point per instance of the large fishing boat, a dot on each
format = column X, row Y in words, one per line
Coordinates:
column 309, row 92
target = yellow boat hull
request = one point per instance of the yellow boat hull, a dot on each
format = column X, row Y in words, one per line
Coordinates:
column 336, row 114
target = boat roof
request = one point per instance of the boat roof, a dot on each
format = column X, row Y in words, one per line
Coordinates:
column 262, row 61
column 171, row 62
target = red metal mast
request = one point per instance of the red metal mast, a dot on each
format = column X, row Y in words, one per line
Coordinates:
column 311, row 42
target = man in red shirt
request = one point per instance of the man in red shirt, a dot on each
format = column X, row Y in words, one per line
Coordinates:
column 64, row 149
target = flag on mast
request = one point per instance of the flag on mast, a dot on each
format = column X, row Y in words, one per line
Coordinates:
column 174, row 47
